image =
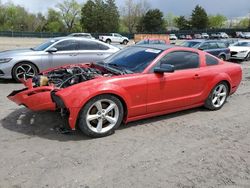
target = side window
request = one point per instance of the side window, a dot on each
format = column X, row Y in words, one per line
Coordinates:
column 88, row 45
column 210, row 60
column 67, row 45
column 181, row 60
column 213, row 45
column 103, row 47
column 205, row 46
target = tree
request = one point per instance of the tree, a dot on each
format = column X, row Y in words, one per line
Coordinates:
column 182, row 23
column 132, row 14
column 40, row 22
column 217, row 21
column 243, row 23
column 153, row 21
column 170, row 20
column 100, row 16
column 70, row 12
column 54, row 22
column 112, row 16
column 199, row 18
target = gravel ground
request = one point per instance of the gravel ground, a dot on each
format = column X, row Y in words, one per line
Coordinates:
column 193, row 148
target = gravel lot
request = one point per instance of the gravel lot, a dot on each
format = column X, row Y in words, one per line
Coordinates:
column 193, row 148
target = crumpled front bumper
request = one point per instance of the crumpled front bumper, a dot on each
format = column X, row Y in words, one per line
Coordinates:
column 42, row 98
column 34, row 98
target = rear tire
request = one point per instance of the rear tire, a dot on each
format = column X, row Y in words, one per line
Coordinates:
column 125, row 42
column 217, row 96
column 222, row 57
column 108, row 41
column 101, row 116
column 24, row 70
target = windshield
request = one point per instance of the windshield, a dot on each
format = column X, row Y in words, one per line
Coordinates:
column 44, row 45
column 133, row 59
column 190, row 44
column 242, row 44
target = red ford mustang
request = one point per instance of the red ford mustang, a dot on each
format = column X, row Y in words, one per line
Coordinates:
column 135, row 83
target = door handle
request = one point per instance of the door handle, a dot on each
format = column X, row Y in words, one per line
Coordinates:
column 72, row 55
column 196, row 76
column 99, row 54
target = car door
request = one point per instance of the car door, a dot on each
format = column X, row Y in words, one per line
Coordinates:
column 91, row 51
column 178, row 89
column 66, row 53
column 118, row 38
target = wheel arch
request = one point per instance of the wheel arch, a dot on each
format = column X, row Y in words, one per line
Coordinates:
column 124, row 105
column 25, row 61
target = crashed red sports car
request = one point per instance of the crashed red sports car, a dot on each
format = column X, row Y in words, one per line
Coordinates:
column 135, row 83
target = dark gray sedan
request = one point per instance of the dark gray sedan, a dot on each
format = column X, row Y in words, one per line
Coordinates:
column 25, row 63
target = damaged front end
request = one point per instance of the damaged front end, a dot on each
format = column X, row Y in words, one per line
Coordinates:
column 40, row 92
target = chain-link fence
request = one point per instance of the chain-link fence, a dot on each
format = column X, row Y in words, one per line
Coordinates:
column 231, row 32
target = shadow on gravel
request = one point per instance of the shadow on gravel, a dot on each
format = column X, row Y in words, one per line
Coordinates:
column 45, row 124
column 42, row 124
column 163, row 117
column 7, row 81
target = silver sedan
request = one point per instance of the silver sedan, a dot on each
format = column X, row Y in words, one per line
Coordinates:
column 25, row 63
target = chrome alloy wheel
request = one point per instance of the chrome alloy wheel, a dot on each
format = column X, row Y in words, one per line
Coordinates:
column 25, row 71
column 219, row 95
column 102, row 116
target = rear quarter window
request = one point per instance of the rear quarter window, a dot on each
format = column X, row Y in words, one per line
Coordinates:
column 210, row 60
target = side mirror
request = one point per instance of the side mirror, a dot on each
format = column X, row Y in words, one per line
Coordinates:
column 164, row 68
column 52, row 50
column 200, row 48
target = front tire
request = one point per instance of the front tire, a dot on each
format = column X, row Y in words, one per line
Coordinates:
column 101, row 116
column 217, row 96
column 24, row 70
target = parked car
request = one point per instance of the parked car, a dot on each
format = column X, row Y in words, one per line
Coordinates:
column 240, row 50
column 153, row 41
column 223, row 35
column 26, row 63
column 172, row 37
column 84, row 35
column 182, row 37
column 197, row 36
column 135, row 83
column 204, row 35
column 215, row 36
column 189, row 37
column 246, row 35
column 239, row 34
column 214, row 47
column 114, row 38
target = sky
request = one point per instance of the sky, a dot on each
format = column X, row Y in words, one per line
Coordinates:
column 229, row 8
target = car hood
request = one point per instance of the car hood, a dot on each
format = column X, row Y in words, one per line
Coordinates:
column 239, row 48
column 17, row 52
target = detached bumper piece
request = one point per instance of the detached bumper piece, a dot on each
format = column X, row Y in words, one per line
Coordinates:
column 36, row 99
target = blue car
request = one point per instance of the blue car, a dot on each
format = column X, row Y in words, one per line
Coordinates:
column 215, row 47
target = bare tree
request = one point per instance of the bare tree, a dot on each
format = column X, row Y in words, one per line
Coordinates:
column 70, row 11
column 132, row 12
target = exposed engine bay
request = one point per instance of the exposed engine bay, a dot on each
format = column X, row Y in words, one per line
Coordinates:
column 67, row 76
